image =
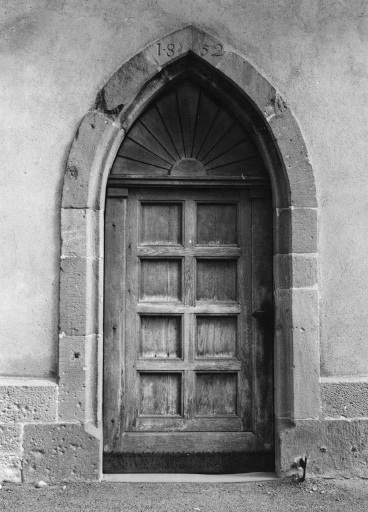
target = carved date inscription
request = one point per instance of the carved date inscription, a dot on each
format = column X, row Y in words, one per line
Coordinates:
column 213, row 50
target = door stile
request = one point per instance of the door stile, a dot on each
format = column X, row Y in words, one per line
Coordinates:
column 244, row 317
column 114, row 318
column 189, row 300
column 263, row 332
column 132, row 318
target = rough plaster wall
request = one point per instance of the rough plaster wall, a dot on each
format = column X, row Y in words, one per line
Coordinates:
column 55, row 55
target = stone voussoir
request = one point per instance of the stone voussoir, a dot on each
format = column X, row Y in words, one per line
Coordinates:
column 243, row 74
column 93, row 140
column 171, row 47
column 79, row 233
column 294, row 152
column 125, row 84
column 208, row 47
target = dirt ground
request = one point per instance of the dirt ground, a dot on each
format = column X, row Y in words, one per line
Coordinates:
column 276, row 496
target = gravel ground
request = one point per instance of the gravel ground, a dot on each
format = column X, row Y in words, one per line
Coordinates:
column 276, row 496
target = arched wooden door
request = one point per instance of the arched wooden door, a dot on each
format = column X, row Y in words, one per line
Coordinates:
column 188, row 334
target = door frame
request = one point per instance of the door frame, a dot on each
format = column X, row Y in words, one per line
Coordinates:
column 296, row 352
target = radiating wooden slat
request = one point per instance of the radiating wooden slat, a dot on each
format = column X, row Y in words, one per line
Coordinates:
column 222, row 123
column 241, row 151
column 140, row 134
column 188, row 97
column 132, row 167
column 249, row 167
column 135, row 151
column 207, row 113
column 154, row 123
column 228, row 140
column 168, row 109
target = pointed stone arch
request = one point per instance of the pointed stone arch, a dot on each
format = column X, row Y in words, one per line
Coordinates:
column 102, row 130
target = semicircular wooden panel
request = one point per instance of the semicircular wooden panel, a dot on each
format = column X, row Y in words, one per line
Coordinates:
column 189, row 132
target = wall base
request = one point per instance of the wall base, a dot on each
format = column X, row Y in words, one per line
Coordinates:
column 337, row 448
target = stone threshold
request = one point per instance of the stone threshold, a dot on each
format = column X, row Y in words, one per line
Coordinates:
column 183, row 478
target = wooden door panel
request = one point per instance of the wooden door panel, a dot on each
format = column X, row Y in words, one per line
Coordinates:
column 160, row 394
column 160, row 280
column 216, row 394
column 216, row 336
column 161, row 224
column 160, row 336
column 217, row 224
column 216, row 280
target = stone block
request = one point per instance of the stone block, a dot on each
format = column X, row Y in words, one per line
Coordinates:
column 78, row 378
column 297, row 343
column 10, row 439
column 78, row 296
column 59, row 452
column 11, row 468
column 79, row 233
column 27, row 400
column 90, row 149
column 250, row 81
column 171, row 47
column 345, row 399
column 127, row 81
column 304, row 270
column 296, row 230
column 72, row 363
column 208, row 48
column 334, row 448
column 306, row 361
column 295, row 270
column 304, row 230
column 294, row 154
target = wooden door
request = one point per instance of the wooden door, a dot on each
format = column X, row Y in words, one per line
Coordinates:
column 188, row 331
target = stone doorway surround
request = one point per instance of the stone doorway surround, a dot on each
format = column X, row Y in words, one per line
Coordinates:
column 60, row 434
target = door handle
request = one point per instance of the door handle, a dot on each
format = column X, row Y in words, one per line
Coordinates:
column 261, row 314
